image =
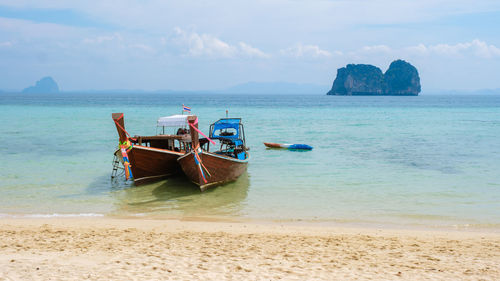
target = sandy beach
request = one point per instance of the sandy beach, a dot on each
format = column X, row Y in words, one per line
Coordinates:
column 138, row 249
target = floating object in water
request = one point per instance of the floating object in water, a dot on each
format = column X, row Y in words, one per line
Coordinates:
column 288, row 146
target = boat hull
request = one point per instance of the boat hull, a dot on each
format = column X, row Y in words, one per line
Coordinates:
column 153, row 164
column 222, row 169
column 274, row 145
column 288, row 146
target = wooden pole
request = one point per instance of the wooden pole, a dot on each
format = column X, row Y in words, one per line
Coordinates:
column 194, row 134
column 194, row 141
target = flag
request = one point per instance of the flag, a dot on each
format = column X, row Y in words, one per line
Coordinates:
column 186, row 109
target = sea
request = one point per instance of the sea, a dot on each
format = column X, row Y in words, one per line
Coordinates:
column 430, row 161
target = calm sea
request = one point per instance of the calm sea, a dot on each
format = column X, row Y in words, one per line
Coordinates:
column 410, row 161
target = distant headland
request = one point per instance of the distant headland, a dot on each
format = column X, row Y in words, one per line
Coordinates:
column 46, row 85
column 401, row 79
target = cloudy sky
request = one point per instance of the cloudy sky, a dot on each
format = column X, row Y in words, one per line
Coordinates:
column 193, row 45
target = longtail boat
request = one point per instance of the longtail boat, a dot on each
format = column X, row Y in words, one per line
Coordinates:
column 225, row 164
column 148, row 159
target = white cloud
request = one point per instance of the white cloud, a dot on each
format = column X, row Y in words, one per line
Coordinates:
column 418, row 49
column 475, row 48
column 203, row 45
column 484, row 50
column 300, row 50
column 251, row 51
column 206, row 45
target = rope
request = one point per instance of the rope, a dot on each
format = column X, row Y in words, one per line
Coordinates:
column 197, row 158
column 198, row 162
column 127, row 144
column 196, row 129
column 199, row 166
column 201, row 163
column 126, row 162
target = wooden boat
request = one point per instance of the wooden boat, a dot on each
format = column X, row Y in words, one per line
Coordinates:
column 288, row 146
column 207, row 169
column 148, row 159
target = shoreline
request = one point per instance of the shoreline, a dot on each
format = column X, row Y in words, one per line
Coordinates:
column 321, row 223
column 207, row 223
column 129, row 248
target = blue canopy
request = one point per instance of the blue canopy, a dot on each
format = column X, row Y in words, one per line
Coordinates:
column 227, row 123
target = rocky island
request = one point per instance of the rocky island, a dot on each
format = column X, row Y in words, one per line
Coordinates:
column 46, row 85
column 401, row 79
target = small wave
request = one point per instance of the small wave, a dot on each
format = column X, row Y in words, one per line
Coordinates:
column 55, row 215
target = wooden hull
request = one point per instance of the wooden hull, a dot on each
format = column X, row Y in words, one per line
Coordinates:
column 222, row 169
column 153, row 164
column 274, row 145
column 288, row 146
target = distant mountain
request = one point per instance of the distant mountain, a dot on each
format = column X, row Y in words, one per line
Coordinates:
column 46, row 85
column 275, row 88
column 358, row 79
column 361, row 79
column 401, row 79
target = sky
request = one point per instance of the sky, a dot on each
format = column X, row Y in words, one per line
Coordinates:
column 207, row 45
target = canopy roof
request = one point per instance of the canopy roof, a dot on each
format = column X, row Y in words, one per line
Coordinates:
column 226, row 123
column 173, row 121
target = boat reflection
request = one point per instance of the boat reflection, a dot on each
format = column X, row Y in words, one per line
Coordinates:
column 177, row 197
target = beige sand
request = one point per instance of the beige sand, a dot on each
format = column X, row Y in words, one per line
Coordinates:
column 134, row 249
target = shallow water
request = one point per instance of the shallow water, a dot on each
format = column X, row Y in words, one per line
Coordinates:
column 427, row 160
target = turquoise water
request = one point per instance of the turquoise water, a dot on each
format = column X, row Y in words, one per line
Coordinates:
column 427, row 160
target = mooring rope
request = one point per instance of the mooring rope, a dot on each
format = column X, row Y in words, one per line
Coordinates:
column 200, row 132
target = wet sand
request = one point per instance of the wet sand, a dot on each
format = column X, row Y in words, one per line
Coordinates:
column 141, row 249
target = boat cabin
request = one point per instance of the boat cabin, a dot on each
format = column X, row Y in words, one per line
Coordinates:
column 172, row 133
column 231, row 136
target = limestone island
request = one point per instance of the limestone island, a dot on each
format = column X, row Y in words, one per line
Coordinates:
column 401, row 79
column 46, row 85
